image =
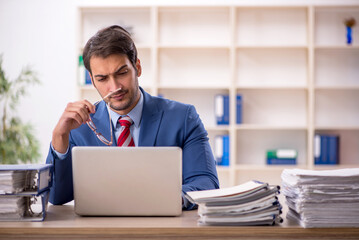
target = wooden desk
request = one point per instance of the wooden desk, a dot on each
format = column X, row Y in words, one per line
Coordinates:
column 62, row 223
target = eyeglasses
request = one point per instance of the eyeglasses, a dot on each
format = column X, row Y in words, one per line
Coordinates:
column 92, row 126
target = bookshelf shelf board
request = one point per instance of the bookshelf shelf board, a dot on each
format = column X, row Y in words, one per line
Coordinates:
column 268, row 127
column 223, row 169
column 193, row 46
column 337, row 47
column 87, row 87
column 266, row 167
column 283, row 46
column 217, row 128
column 273, row 88
column 334, row 166
column 330, row 128
column 336, row 88
column 194, row 88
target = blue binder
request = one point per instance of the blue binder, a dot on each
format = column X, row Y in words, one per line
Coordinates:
column 221, row 150
column 239, row 109
column 326, row 149
column 43, row 179
column 222, row 109
column 87, row 77
column 28, row 199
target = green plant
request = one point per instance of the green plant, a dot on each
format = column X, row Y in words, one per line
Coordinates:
column 17, row 141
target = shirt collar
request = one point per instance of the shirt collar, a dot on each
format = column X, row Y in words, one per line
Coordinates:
column 135, row 114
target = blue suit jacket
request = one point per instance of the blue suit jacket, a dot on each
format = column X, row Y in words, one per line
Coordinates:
column 164, row 123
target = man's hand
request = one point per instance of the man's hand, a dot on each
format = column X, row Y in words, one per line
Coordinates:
column 75, row 115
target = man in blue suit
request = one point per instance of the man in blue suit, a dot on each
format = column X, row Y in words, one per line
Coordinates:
column 110, row 56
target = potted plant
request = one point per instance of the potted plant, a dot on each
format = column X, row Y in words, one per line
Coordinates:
column 17, row 141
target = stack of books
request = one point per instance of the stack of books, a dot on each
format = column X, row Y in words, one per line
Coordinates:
column 251, row 203
column 326, row 198
column 24, row 191
column 282, row 156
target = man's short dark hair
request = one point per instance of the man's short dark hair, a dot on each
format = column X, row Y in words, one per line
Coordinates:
column 108, row 41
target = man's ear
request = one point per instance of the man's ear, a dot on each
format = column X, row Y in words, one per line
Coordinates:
column 138, row 67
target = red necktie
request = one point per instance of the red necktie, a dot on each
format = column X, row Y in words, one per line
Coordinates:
column 125, row 138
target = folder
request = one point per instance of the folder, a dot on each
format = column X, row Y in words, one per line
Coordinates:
column 30, row 178
column 222, row 109
column 239, row 109
column 24, row 207
column 326, row 149
column 282, row 156
column 24, row 191
column 221, row 150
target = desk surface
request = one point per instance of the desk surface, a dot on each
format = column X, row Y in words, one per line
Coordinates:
column 62, row 223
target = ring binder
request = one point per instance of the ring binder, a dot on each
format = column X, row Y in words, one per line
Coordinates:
column 24, row 191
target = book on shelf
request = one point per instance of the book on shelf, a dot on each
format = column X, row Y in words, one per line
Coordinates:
column 322, row 198
column 83, row 74
column 326, row 149
column 221, row 105
column 221, row 150
column 239, row 109
column 250, row 203
column 282, row 156
column 24, row 191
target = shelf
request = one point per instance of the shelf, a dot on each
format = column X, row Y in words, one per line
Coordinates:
column 291, row 65
column 273, row 88
column 269, row 127
column 336, row 108
column 194, row 87
column 337, row 47
column 330, row 128
column 278, row 67
column 267, row 108
column 279, row 47
column 218, row 128
column 332, row 167
column 136, row 19
column 330, row 28
column 266, row 167
column 87, row 87
column 337, row 88
column 254, row 26
column 191, row 46
column 194, row 67
column 194, row 26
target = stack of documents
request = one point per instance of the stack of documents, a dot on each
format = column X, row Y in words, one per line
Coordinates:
column 251, row 203
column 322, row 198
column 24, row 191
column 13, row 181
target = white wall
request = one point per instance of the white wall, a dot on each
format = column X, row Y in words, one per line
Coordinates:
column 41, row 33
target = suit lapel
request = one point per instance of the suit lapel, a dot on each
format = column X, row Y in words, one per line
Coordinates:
column 150, row 122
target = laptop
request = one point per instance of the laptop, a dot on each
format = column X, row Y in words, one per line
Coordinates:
column 127, row 181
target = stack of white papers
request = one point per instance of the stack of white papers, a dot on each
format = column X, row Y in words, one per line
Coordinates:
column 251, row 203
column 13, row 181
column 322, row 198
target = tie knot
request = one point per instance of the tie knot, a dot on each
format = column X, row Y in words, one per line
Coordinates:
column 125, row 121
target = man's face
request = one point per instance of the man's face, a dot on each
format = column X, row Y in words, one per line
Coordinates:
column 112, row 73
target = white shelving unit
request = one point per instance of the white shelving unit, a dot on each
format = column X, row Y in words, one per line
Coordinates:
column 291, row 64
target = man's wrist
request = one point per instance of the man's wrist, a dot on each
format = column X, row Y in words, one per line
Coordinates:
column 60, row 142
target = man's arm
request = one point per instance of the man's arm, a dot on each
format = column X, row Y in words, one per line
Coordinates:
column 199, row 169
column 74, row 115
column 62, row 187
